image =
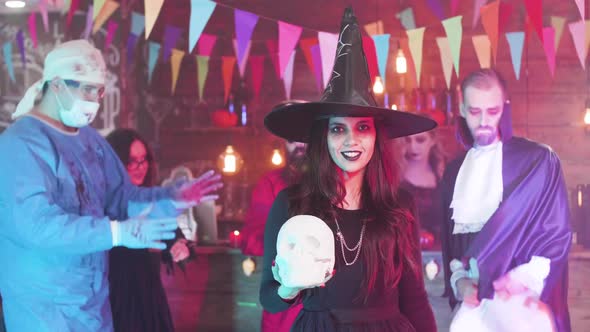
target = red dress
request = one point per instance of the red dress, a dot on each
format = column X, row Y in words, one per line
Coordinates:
column 252, row 243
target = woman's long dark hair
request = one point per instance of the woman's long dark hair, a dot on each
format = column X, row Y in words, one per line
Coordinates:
column 121, row 140
column 390, row 243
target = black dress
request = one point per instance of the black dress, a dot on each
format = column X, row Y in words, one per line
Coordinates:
column 338, row 307
column 428, row 206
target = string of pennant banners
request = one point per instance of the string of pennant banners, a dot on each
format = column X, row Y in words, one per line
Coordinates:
column 318, row 51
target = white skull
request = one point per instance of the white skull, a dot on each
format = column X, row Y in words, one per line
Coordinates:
column 305, row 252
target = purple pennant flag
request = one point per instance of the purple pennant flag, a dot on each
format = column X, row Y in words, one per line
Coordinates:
column 171, row 35
column 245, row 23
column 317, row 65
column 437, row 8
column 131, row 42
column 88, row 23
column 21, row 46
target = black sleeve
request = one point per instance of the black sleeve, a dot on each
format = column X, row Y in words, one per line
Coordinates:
column 278, row 215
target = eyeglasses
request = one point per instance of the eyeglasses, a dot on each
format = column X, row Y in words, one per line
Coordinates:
column 134, row 164
column 87, row 89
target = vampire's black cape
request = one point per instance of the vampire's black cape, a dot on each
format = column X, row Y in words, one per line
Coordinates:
column 532, row 220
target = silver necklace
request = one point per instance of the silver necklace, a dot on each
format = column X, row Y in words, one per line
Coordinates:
column 343, row 244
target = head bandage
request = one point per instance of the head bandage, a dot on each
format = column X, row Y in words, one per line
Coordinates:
column 75, row 60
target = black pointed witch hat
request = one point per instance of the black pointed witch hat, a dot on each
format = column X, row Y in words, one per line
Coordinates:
column 347, row 94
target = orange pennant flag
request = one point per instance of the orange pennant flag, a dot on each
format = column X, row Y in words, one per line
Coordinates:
column 489, row 19
column 175, row 61
column 228, row 64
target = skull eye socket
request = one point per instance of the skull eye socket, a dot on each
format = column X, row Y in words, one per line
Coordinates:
column 312, row 242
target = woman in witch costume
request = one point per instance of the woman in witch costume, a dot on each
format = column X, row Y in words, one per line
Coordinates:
column 352, row 185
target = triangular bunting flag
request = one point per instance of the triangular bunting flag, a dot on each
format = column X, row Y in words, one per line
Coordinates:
column 88, row 28
column 482, row 44
column 20, row 42
column 66, row 6
column 371, row 56
column 454, row 31
column 153, row 51
column 549, row 46
column 108, row 8
column 288, row 76
column 305, row 45
column 131, row 43
column 137, row 23
column 201, row 11
column 152, row 10
column 245, row 23
column 111, row 29
column 476, row 11
column 516, row 43
column 202, row 71
column 534, row 10
column 328, row 43
column 273, row 46
column 581, row 8
column 175, row 62
column 97, row 5
column 557, row 23
column 317, row 65
column 74, row 5
column 415, row 43
column 242, row 64
column 504, row 13
column 578, row 31
column 257, row 72
column 44, row 16
column 382, row 48
column 288, row 37
column 436, row 8
column 490, row 19
column 206, row 43
column 171, row 35
column 446, row 59
column 33, row 28
column 411, row 77
column 374, row 28
column 7, row 52
column 227, row 68
column 406, row 18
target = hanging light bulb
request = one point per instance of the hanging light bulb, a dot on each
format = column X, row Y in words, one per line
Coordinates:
column 378, row 86
column 229, row 161
column 394, row 107
column 276, row 159
column 401, row 65
column 587, row 117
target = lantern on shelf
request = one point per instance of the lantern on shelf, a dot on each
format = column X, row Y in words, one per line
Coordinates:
column 229, row 162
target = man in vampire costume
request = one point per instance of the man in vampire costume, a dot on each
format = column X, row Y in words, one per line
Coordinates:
column 506, row 228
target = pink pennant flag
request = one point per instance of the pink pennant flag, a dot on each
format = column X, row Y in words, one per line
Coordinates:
column 328, row 44
column 549, row 46
column 228, row 64
column 242, row 64
column 111, row 29
column 288, row 37
column 74, row 4
column 272, row 46
column 476, row 9
column 581, row 7
column 288, row 75
column 317, row 65
column 43, row 11
column 257, row 72
column 371, row 56
column 33, row 28
column 578, row 31
column 206, row 43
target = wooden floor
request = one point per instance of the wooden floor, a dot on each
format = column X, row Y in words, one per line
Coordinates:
column 215, row 295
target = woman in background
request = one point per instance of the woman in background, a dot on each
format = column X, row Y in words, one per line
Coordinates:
column 137, row 296
column 424, row 163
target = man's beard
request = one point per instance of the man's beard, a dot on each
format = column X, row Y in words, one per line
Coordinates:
column 487, row 137
column 296, row 156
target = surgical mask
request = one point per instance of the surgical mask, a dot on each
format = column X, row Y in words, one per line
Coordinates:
column 81, row 114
